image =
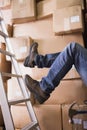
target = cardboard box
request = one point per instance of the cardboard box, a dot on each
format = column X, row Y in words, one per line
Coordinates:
column 80, row 120
column 5, row 66
column 68, row 20
column 5, row 4
column 68, row 3
column 20, row 116
column 38, row 29
column 47, row 7
column 49, row 116
column 67, row 92
column 21, row 46
column 7, row 16
column 23, row 11
column 14, row 91
column 58, row 43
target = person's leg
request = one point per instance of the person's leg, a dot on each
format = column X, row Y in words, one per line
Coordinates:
column 35, row 59
column 47, row 60
column 72, row 54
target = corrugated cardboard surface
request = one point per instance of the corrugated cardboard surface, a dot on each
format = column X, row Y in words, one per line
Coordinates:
column 14, row 91
column 46, row 114
column 5, row 66
column 47, row 7
column 37, row 29
column 80, row 120
column 5, row 4
column 68, row 20
column 68, row 91
column 23, row 11
column 58, row 43
column 21, row 46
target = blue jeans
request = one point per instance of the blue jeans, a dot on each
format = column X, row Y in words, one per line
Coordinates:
column 61, row 63
column 45, row 60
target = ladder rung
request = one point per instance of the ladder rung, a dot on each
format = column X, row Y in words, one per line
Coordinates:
column 13, row 102
column 3, row 34
column 5, row 104
column 10, row 75
column 6, row 53
column 1, row 18
column 30, row 126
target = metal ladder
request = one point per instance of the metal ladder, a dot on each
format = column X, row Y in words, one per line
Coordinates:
column 5, row 104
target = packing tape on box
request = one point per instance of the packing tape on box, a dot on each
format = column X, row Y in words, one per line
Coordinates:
column 74, row 19
column 66, row 24
column 23, row 49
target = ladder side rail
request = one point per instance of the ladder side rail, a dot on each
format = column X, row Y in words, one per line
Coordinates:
column 5, row 107
column 6, row 52
column 25, row 92
column 20, row 80
column 17, row 70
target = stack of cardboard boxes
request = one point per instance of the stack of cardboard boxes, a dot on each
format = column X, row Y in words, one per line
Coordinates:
column 54, row 25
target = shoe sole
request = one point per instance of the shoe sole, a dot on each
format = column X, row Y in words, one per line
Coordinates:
column 39, row 98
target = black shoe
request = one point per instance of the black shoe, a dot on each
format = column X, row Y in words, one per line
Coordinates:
column 29, row 61
column 34, row 87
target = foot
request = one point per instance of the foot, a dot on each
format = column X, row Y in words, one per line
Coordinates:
column 30, row 59
column 34, row 87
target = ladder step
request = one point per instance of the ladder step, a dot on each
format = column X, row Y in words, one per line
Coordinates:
column 3, row 34
column 10, row 75
column 30, row 126
column 1, row 18
column 5, row 104
column 13, row 102
column 6, row 53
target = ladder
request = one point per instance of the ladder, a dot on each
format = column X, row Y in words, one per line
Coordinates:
column 5, row 104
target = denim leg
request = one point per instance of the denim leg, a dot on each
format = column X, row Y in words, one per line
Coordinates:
column 45, row 60
column 72, row 54
column 80, row 62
